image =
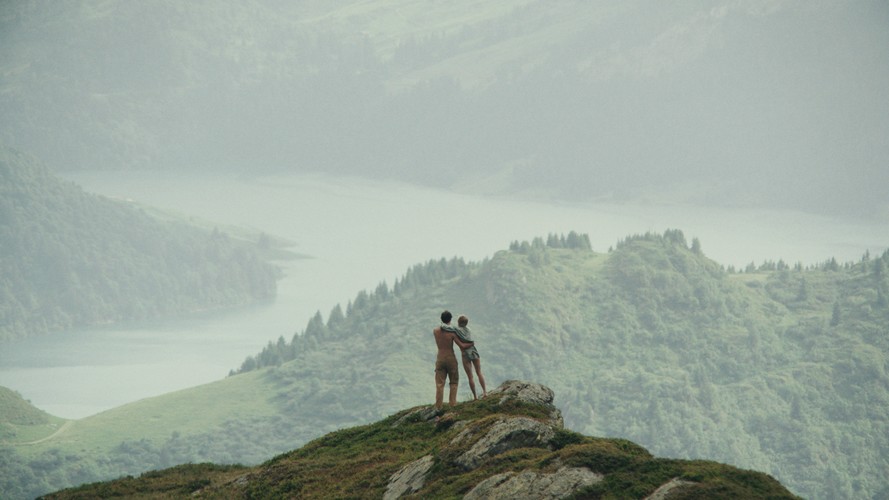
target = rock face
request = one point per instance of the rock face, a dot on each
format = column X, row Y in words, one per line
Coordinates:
column 665, row 490
column 532, row 485
column 409, row 479
column 528, row 392
column 504, row 435
column 531, row 393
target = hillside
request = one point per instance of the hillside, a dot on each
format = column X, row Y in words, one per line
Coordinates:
column 71, row 259
column 511, row 444
column 722, row 102
column 779, row 368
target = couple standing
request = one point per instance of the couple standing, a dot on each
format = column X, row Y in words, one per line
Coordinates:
column 446, row 336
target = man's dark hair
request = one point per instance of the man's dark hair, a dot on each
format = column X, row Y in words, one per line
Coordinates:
column 446, row 317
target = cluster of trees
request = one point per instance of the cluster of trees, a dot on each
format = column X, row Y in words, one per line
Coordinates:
column 70, row 259
column 417, row 278
column 365, row 305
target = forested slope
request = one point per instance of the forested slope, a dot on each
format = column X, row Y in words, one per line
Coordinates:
column 69, row 258
column 778, row 368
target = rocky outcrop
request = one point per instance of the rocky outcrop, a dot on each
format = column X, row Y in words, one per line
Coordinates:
column 409, row 478
column 666, row 490
column 502, row 436
column 477, row 442
column 533, row 485
column 530, row 393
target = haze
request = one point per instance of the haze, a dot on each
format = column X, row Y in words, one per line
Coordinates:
column 778, row 104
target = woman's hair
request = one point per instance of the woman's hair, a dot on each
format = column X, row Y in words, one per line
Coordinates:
column 446, row 316
column 462, row 321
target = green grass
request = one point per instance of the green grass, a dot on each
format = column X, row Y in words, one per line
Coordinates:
column 21, row 422
column 190, row 411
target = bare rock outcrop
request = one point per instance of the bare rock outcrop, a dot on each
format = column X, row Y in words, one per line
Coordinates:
column 504, row 435
column 409, row 478
column 531, row 393
column 534, row 485
column 666, row 490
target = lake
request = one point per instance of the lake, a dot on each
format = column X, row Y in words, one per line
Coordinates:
column 358, row 233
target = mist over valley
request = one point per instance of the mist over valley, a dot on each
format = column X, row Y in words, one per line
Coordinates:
column 367, row 232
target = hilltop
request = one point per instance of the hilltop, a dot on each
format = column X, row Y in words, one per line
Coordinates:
column 511, row 444
column 778, row 368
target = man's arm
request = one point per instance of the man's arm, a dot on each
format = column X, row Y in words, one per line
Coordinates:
column 462, row 345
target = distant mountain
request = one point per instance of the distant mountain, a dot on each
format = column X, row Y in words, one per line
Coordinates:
column 71, row 259
column 778, row 368
column 767, row 102
column 509, row 445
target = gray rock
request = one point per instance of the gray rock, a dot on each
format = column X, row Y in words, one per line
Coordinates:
column 529, row 392
column 505, row 435
column 534, row 485
column 422, row 414
column 665, row 490
column 409, row 478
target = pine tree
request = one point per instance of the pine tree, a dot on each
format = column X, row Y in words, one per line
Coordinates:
column 835, row 316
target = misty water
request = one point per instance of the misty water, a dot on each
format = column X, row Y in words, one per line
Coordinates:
column 357, row 233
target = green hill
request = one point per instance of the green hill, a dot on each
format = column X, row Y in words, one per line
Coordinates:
column 512, row 444
column 70, row 259
column 780, row 368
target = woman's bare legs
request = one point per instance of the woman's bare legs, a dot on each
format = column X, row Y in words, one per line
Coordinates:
column 467, row 367
column 481, row 378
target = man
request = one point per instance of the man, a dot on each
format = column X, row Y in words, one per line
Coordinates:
column 446, row 362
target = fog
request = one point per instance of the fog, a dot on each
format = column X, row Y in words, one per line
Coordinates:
column 771, row 103
column 760, row 126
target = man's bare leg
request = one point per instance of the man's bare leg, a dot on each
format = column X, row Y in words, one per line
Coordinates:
column 467, row 367
column 452, row 397
column 439, row 396
column 439, row 389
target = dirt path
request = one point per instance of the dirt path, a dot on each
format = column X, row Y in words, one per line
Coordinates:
column 58, row 432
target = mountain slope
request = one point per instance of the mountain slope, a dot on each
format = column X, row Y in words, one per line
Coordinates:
column 72, row 259
column 509, row 445
column 772, row 102
column 779, row 368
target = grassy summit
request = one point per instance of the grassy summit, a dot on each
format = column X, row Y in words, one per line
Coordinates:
column 509, row 445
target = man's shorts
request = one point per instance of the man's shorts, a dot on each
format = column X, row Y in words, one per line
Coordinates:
column 446, row 369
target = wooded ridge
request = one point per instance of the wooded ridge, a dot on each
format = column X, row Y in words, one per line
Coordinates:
column 780, row 368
